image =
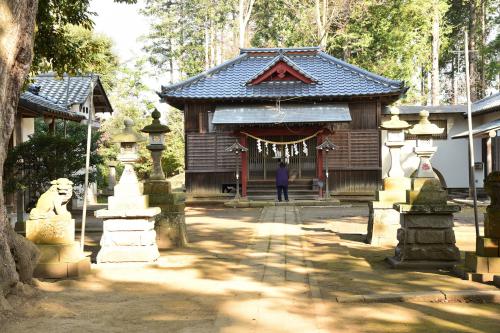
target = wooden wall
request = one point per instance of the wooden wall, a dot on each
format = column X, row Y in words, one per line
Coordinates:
column 206, row 152
column 355, row 166
column 208, row 182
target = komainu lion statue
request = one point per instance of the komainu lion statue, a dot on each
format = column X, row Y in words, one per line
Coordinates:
column 53, row 202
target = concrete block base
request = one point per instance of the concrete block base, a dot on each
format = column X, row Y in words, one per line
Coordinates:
column 148, row 253
column 395, row 262
column 479, row 264
column 62, row 270
column 383, row 224
column 463, row 273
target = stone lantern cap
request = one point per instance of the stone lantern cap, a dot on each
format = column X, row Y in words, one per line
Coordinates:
column 128, row 134
column 326, row 145
column 156, row 126
column 424, row 126
column 395, row 123
column 236, row 147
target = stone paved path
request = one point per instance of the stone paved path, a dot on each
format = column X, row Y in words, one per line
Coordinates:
column 289, row 299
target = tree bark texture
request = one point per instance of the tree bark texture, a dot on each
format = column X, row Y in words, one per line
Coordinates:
column 473, row 52
column 18, row 256
column 244, row 12
column 435, row 58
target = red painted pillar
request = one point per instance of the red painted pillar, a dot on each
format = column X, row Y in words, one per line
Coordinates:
column 244, row 166
column 319, row 162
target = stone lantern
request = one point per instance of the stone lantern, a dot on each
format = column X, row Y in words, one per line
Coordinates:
column 237, row 149
column 426, row 238
column 383, row 220
column 156, row 145
column 326, row 146
column 395, row 140
column 128, row 222
column 424, row 131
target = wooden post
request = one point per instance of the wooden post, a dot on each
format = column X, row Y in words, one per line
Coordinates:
column 244, row 166
column 319, row 162
column 472, row 177
column 489, row 156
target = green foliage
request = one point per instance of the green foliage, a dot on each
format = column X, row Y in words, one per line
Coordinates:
column 60, row 47
column 128, row 101
column 279, row 24
column 185, row 34
column 173, row 156
column 44, row 157
column 390, row 38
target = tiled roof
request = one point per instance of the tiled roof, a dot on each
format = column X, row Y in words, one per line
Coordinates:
column 287, row 113
column 48, row 94
column 481, row 129
column 335, row 78
column 433, row 109
column 66, row 91
column 486, row 103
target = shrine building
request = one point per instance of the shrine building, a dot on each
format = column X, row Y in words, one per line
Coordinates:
column 281, row 104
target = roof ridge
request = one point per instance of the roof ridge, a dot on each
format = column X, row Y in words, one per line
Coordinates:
column 279, row 49
column 487, row 98
column 361, row 71
column 202, row 75
column 274, row 61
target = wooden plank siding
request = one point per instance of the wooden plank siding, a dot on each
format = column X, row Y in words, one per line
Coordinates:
column 208, row 183
column 358, row 149
column 206, row 152
column 355, row 166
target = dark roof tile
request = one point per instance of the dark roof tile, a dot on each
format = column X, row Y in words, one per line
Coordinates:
column 335, row 78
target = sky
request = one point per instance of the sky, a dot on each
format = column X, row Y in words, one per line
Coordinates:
column 124, row 25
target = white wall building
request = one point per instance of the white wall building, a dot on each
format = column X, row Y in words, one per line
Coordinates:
column 451, row 159
column 51, row 98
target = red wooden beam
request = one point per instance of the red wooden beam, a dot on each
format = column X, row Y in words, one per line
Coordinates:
column 281, row 68
column 319, row 162
column 244, row 166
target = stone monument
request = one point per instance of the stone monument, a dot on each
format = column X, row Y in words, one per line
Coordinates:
column 170, row 226
column 484, row 264
column 383, row 220
column 51, row 227
column 426, row 237
column 128, row 226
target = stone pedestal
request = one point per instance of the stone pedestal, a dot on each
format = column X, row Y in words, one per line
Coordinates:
column 383, row 220
column 52, row 229
column 426, row 238
column 60, row 255
column 170, row 226
column 486, row 260
column 128, row 234
column 128, row 223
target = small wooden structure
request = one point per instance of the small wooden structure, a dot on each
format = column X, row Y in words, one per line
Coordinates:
column 275, row 101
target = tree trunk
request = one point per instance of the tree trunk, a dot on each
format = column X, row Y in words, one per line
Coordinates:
column 473, row 72
column 244, row 13
column 435, row 57
column 454, row 69
column 17, row 23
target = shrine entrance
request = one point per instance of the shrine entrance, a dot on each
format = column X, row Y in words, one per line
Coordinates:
column 300, row 157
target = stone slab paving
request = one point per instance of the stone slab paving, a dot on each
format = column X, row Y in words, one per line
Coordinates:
column 277, row 262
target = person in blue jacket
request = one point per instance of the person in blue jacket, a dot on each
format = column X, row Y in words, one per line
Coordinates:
column 282, row 181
